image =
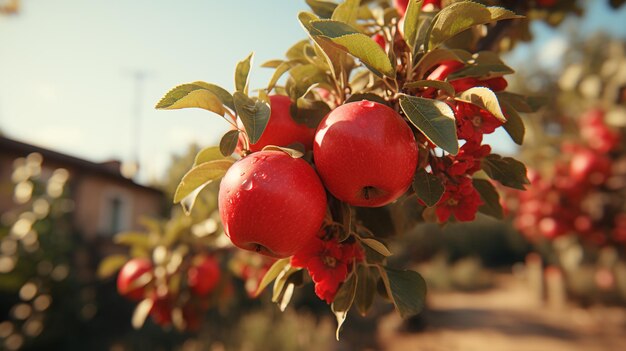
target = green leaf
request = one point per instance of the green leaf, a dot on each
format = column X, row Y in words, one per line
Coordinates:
column 309, row 112
column 271, row 274
column 522, row 103
column 437, row 84
column 411, row 22
column 111, row 265
column 198, row 177
column 373, row 256
column 141, row 312
column 271, row 63
column 434, row 118
column 132, row 239
column 291, row 152
column 485, row 64
column 242, row 73
column 366, row 289
column 356, row 44
column 485, row 99
column 490, row 197
column 207, row 154
column 347, row 12
column 366, row 96
column 343, row 300
column 253, row 114
column 377, row 246
column 306, row 77
column 324, row 9
column 407, row 289
column 506, row 170
column 346, row 220
column 460, row 16
column 337, row 60
column 280, row 70
column 228, row 144
column 281, row 281
column 191, row 95
column 514, row 125
column 428, row 187
column 225, row 97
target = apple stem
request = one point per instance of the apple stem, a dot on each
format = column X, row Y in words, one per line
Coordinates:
column 366, row 192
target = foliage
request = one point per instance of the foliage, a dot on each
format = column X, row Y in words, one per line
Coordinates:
column 574, row 212
column 410, row 62
column 37, row 277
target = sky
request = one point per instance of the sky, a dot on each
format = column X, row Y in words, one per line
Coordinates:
column 67, row 69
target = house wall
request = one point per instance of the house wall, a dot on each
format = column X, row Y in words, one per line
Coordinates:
column 92, row 194
column 93, row 209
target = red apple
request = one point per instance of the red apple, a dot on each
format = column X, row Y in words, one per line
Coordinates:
column 203, row 275
column 365, row 153
column 589, row 166
column 271, row 203
column 380, row 40
column 546, row 3
column 401, row 6
column 130, row 272
column 161, row 311
column 444, row 69
column 282, row 129
column 430, row 5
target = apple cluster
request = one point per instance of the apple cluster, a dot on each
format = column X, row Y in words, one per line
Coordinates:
column 140, row 280
column 581, row 194
column 270, row 202
column 379, row 108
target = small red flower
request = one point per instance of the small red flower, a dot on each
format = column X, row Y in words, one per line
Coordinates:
column 461, row 200
column 472, row 122
column 467, row 161
column 328, row 263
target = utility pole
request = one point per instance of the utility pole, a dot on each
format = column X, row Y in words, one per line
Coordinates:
column 131, row 169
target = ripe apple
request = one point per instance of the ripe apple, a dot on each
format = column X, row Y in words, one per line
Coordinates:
column 444, row 69
column 161, row 311
column 365, row 153
column 546, row 3
column 130, row 272
column 401, row 6
column 380, row 40
column 589, row 166
column 203, row 275
column 271, row 203
column 282, row 129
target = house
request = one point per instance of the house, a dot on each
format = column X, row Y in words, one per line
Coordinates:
column 104, row 201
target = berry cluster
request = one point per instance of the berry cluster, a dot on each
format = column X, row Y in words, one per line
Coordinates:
column 581, row 195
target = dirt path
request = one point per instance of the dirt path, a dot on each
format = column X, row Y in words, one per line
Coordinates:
column 506, row 318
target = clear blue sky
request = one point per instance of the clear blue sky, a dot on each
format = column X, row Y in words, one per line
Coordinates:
column 66, row 68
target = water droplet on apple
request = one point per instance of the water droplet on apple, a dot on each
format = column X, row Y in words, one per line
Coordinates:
column 263, row 175
column 247, row 184
column 242, row 174
column 366, row 103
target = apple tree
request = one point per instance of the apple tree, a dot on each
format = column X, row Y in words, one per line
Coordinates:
column 380, row 105
column 574, row 211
